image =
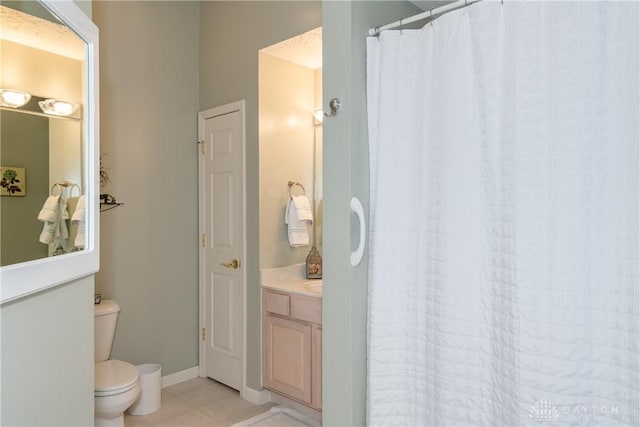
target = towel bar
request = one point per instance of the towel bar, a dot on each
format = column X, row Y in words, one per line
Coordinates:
column 60, row 184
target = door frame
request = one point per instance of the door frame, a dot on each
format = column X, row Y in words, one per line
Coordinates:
column 202, row 117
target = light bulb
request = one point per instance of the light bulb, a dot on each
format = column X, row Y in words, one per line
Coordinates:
column 13, row 98
column 58, row 107
column 318, row 115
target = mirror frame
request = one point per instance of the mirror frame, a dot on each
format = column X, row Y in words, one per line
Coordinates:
column 22, row 279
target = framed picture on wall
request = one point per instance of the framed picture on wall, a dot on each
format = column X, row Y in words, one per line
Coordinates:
column 13, row 181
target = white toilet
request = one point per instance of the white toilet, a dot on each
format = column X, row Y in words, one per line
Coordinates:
column 117, row 384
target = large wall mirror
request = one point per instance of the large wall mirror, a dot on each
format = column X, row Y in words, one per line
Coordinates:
column 48, row 146
column 290, row 139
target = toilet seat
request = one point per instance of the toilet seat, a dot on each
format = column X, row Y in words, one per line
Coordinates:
column 114, row 377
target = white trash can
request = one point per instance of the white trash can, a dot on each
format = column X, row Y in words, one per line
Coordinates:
column 150, row 389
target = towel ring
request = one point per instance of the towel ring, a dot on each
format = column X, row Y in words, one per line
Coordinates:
column 293, row 184
column 76, row 186
column 53, row 187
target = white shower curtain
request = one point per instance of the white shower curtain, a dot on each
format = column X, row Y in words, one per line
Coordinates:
column 504, row 218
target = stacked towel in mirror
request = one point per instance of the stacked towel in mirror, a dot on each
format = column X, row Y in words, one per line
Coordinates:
column 53, row 213
column 298, row 217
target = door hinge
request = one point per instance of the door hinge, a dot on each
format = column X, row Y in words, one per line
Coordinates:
column 203, row 147
column 204, row 240
column 204, row 334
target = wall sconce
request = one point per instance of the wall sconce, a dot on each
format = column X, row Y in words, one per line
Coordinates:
column 334, row 106
column 319, row 115
column 57, row 107
column 13, row 98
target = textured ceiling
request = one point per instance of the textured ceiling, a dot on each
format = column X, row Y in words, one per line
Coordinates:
column 40, row 34
column 305, row 49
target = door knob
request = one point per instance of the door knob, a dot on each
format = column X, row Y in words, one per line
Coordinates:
column 235, row 264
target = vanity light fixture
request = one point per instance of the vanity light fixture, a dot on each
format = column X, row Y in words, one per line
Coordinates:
column 58, row 107
column 13, row 98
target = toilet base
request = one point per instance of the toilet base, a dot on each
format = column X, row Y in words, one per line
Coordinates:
column 115, row 422
column 108, row 411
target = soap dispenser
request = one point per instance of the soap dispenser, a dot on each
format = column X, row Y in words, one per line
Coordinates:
column 314, row 264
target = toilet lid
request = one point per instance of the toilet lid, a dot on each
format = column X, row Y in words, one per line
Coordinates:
column 114, row 376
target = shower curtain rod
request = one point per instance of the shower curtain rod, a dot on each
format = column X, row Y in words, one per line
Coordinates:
column 424, row 15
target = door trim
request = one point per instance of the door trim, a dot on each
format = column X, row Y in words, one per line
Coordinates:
column 202, row 117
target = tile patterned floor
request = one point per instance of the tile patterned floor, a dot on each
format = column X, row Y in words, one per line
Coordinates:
column 200, row 402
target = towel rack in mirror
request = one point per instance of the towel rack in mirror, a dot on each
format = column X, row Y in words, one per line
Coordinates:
column 65, row 184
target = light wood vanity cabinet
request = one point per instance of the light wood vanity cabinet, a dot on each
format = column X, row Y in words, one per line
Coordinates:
column 316, row 366
column 292, row 346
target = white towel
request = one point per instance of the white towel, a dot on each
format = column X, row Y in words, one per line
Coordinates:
column 48, row 232
column 78, row 214
column 62, row 232
column 303, row 208
column 49, row 214
column 64, row 210
column 49, row 211
column 78, row 219
column 52, row 213
column 297, row 229
column 54, row 230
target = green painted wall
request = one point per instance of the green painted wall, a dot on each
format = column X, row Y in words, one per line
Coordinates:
column 149, row 246
column 47, row 357
column 345, row 26
column 24, row 142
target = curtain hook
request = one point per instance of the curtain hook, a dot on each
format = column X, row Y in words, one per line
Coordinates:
column 431, row 17
column 401, row 26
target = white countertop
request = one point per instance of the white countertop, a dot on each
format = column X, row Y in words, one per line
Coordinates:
column 291, row 279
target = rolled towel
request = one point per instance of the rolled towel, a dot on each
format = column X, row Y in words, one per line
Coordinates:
column 303, row 208
column 48, row 231
column 64, row 209
column 55, row 227
column 79, row 242
column 296, row 229
column 62, row 232
column 49, row 211
column 78, row 214
column 50, row 215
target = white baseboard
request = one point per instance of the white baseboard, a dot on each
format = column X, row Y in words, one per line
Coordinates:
column 178, row 377
column 255, row 396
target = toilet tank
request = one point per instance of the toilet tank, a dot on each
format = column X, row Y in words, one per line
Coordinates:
column 104, row 323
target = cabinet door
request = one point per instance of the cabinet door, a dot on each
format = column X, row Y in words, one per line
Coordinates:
column 316, row 367
column 287, row 355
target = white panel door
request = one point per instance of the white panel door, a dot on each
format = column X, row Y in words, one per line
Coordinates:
column 223, row 247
